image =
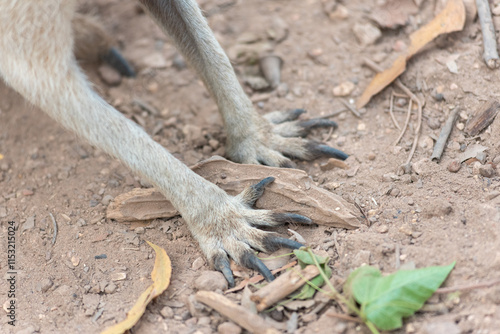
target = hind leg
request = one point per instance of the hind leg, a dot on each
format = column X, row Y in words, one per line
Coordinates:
column 250, row 137
column 38, row 62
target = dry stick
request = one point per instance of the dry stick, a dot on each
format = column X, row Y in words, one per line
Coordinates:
column 55, row 228
column 490, row 45
column 351, row 108
column 443, row 136
column 391, row 108
column 236, row 313
column 468, row 287
column 333, row 114
column 407, row 121
column 283, row 286
column 343, row 317
column 412, row 96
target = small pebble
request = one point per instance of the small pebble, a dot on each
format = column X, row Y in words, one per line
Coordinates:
column 344, row 89
column 406, row 229
column 139, row 230
column 198, row 263
column 228, row 328
column 45, row 285
column 106, row 200
column 210, row 281
column 395, row 192
column 487, row 170
column 454, row 166
column 382, row 228
column 460, row 126
column 110, row 288
column 371, row 156
column 109, row 75
column 167, row 312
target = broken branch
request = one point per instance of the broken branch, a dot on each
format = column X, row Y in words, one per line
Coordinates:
column 490, row 54
column 443, row 136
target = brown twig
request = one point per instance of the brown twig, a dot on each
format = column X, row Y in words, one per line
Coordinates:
column 257, row 278
column 490, row 54
column 283, row 286
column 391, row 108
column 407, row 121
column 343, row 317
column 412, row 96
column 54, row 236
column 351, row 108
column 335, row 113
column 469, row 287
column 443, row 135
column 236, row 313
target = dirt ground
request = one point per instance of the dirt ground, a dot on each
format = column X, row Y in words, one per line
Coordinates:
column 95, row 270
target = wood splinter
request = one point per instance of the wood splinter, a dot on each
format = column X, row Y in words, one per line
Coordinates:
column 443, row 136
column 236, row 313
column 283, row 286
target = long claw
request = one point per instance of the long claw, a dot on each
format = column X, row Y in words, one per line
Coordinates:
column 251, row 261
column 119, row 63
column 317, row 123
column 252, row 193
column 318, row 150
column 221, row 263
column 273, row 243
column 290, row 218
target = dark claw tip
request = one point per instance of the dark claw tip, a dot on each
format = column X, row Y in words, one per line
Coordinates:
column 318, row 123
column 332, row 152
column 291, row 218
column 249, row 260
column 273, row 243
column 119, row 63
column 221, row 263
column 297, row 112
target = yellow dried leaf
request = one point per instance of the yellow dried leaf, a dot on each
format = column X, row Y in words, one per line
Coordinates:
column 452, row 18
column 161, row 279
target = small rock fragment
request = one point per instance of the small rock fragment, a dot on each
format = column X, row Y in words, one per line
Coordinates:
column 487, row 170
column 109, row 75
column 344, row 89
column 44, row 285
column 366, row 33
column 167, row 312
column 29, row 224
column 211, row 281
column 198, row 263
column 406, row 229
column 454, row 166
column 228, row 328
column 382, row 228
column 120, row 276
column 110, row 288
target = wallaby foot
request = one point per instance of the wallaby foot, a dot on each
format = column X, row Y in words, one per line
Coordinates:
column 277, row 137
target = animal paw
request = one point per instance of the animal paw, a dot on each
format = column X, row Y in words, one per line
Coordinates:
column 277, row 137
column 231, row 232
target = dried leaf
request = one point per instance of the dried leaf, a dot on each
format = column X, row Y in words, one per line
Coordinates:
column 452, row 18
column 292, row 191
column 161, row 279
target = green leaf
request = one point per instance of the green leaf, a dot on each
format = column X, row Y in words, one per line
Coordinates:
column 386, row 300
column 364, row 277
column 305, row 258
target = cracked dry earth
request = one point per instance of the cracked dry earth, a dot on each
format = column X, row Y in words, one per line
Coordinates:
column 95, row 270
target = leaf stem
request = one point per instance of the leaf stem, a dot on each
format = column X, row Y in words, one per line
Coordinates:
column 337, row 296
